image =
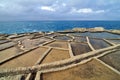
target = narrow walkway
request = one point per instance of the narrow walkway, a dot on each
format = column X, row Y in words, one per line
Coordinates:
column 90, row 45
column 109, row 42
column 70, row 50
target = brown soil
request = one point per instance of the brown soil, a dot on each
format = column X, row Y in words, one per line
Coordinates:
column 80, row 48
column 28, row 59
column 98, row 43
column 56, row 55
column 60, row 44
column 9, row 52
column 92, row 70
column 112, row 59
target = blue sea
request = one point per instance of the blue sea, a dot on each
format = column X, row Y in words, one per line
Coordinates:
column 34, row 26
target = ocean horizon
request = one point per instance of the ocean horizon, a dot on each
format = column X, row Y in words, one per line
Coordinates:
column 10, row 27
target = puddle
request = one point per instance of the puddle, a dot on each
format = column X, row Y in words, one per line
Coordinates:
column 112, row 59
column 98, row 43
column 80, row 39
column 80, row 48
column 99, row 35
column 63, row 37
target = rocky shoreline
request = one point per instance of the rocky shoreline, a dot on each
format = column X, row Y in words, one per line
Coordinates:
column 76, row 29
column 96, row 29
column 58, row 51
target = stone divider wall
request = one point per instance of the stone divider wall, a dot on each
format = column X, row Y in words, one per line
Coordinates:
column 70, row 50
column 17, row 55
column 47, row 43
column 55, row 48
column 5, row 42
column 29, row 76
column 109, row 42
column 38, row 75
column 6, row 47
column 90, row 45
column 113, row 69
column 43, row 56
column 57, row 64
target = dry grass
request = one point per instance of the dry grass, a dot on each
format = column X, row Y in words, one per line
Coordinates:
column 92, row 70
column 56, row 55
column 28, row 59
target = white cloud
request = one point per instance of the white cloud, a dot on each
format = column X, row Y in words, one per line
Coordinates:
column 86, row 11
column 47, row 8
column 2, row 5
column 63, row 4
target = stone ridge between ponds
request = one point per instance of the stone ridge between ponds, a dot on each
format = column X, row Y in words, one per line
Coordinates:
column 63, row 64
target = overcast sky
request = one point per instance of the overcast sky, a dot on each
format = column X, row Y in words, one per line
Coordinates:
column 59, row 10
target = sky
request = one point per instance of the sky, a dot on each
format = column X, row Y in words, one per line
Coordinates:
column 27, row 10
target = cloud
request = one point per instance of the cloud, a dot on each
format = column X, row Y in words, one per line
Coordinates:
column 86, row 10
column 59, row 9
column 47, row 8
column 63, row 4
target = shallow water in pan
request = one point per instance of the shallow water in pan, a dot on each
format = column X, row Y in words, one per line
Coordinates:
column 99, row 43
column 112, row 59
column 80, row 48
column 99, row 35
column 63, row 37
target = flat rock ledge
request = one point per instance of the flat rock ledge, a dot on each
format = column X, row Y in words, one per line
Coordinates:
column 96, row 29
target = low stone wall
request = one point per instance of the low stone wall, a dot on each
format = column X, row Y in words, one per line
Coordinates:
column 96, row 29
column 57, row 64
column 114, row 31
column 19, row 54
column 116, row 71
column 6, row 47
